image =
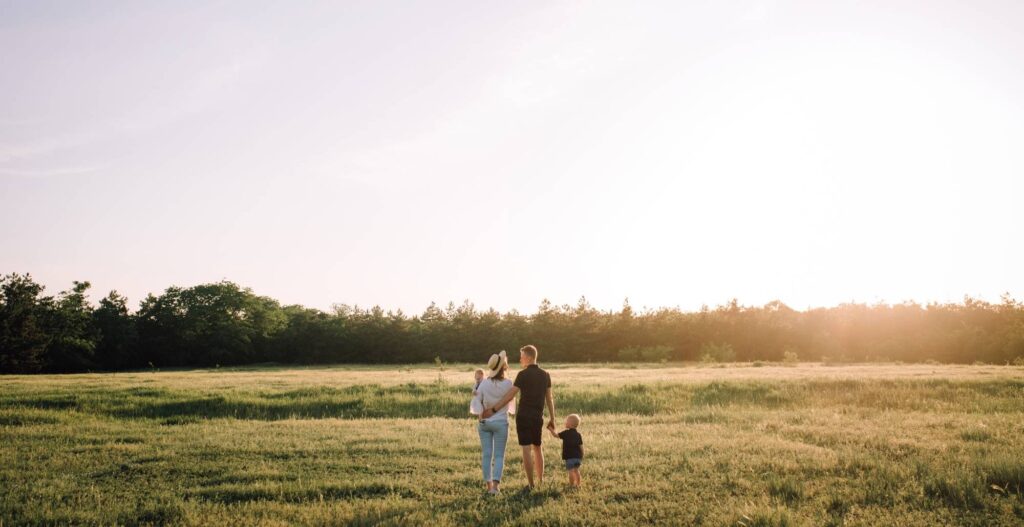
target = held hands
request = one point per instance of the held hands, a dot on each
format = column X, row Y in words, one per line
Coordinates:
column 551, row 426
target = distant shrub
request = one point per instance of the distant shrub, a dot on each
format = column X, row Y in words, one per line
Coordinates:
column 790, row 357
column 715, row 352
column 657, row 353
column 630, row 354
column 1019, row 361
column 645, row 354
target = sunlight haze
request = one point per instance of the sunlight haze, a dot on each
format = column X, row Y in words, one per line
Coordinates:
column 398, row 153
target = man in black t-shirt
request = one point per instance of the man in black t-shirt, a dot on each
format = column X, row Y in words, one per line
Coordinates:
column 534, row 385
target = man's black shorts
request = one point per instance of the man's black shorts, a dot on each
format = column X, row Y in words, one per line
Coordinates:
column 529, row 429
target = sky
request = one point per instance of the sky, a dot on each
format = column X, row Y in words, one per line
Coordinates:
column 399, row 153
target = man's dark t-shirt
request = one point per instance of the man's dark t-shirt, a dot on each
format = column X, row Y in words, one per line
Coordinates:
column 572, row 444
column 533, row 384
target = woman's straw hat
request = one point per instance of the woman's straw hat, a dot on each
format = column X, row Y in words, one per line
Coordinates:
column 496, row 363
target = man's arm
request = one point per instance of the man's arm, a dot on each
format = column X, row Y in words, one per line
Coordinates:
column 504, row 400
column 550, row 399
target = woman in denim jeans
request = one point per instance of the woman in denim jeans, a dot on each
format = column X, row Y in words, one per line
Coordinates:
column 494, row 429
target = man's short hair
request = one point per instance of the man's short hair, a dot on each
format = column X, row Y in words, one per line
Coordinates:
column 530, row 350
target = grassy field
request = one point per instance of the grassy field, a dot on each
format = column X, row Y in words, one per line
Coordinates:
column 808, row 444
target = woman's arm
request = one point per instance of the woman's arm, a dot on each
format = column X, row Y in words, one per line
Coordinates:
column 504, row 401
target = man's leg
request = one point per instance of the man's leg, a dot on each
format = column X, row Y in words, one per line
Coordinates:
column 528, row 463
column 538, row 461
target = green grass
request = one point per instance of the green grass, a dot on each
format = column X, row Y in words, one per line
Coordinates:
column 666, row 444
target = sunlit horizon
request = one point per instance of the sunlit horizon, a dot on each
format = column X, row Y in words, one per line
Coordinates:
column 399, row 154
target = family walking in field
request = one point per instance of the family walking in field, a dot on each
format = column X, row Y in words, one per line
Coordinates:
column 494, row 400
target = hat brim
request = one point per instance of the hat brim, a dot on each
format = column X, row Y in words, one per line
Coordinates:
column 502, row 363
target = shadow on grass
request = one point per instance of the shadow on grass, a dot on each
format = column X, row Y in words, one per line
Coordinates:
column 723, row 393
column 27, row 418
column 51, row 402
column 181, row 407
column 242, row 493
column 153, row 514
column 439, row 399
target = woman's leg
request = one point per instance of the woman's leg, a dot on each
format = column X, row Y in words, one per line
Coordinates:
column 486, row 448
column 500, row 438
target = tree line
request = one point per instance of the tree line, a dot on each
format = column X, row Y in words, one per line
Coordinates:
column 224, row 324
